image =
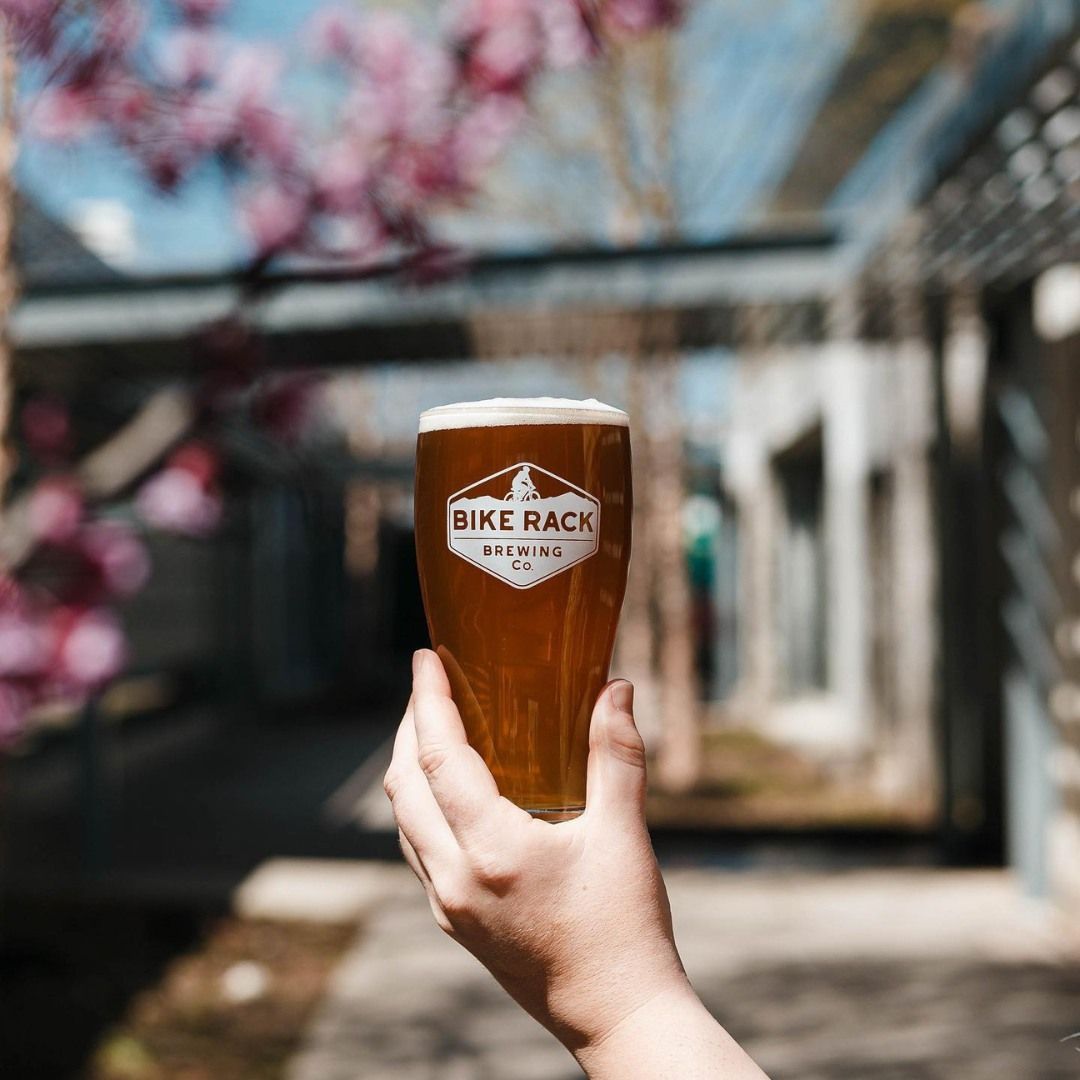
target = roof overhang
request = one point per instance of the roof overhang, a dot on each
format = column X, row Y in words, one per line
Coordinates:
column 536, row 303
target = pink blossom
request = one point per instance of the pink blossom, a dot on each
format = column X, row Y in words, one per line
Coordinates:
column 249, row 75
column 33, row 24
column 504, row 43
column 504, row 58
column 120, row 25
column 626, row 18
column 275, row 216
column 205, row 123
column 422, row 120
column 342, row 176
column 416, row 173
column 91, row 648
column 269, row 136
column 125, row 104
column 199, row 459
column 175, row 500
column 199, row 11
column 484, row 131
column 119, row 555
column 405, row 84
column 336, row 33
column 387, row 45
column 25, row 646
column 241, row 105
column 27, row 10
column 63, row 113
column 55, row 510
column 357, row 233
column 191, row 55
column 568, row 39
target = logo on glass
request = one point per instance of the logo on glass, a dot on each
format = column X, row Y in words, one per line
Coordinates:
column 523, row 524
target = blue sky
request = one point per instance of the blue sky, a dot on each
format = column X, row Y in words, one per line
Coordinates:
column 751, row 76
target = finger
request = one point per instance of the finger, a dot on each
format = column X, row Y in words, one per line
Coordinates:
column 420, row 871
column 479, row 730
column 415, row 862
column 415, row 810
column 460, row 781
column 615, row 783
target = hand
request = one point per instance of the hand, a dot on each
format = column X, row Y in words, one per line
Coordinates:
column 571, row 918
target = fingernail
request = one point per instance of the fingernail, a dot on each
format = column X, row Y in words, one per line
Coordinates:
column 622, row 696
column 417, row 661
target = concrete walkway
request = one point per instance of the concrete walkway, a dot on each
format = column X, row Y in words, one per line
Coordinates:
column 873, row 975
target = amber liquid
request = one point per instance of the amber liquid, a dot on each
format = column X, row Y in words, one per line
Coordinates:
column 526, row 665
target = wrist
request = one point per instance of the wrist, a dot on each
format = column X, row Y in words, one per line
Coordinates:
column 606, row 1041
column 595, row 996
column 669, row 1035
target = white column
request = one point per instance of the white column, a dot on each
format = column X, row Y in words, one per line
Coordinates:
column 847, row 409
column 750, row 483
column 914, row 579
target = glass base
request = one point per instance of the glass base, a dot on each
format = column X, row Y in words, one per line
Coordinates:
column 558, row 813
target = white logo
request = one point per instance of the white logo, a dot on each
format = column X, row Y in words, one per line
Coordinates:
column 523, row 524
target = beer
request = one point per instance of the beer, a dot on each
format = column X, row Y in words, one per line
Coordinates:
column 523, row 540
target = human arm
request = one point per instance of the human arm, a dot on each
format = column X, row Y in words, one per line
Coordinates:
column 572, row 919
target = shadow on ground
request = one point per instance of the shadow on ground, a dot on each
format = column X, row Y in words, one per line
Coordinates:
column 68, row 971
column 846, row 1021
column 905, row 1020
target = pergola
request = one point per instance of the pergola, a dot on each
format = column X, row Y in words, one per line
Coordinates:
column 989, row 244
column 546, row 304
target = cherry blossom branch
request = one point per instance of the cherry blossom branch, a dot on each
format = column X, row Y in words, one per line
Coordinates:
column 422, row 117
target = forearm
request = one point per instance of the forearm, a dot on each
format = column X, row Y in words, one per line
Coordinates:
column 670, row 1037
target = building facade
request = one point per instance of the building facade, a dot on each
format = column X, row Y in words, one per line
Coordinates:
column 827, row 459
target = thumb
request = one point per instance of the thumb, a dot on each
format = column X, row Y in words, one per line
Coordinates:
column 616, row 770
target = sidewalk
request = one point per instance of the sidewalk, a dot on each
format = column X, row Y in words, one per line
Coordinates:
column 875, row 975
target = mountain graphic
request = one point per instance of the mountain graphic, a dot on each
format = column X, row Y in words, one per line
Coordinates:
column 568, row 500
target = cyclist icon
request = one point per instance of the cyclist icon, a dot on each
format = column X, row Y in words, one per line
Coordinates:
column 522, row 489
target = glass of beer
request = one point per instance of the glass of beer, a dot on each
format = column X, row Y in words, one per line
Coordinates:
column 523, row 513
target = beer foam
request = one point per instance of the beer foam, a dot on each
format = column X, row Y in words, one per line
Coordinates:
column 503, row 412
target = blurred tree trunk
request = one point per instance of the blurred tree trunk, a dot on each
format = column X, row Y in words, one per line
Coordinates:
column 635, row 658
column 679, row 762
column 365, row 499
column 8, row 278
column 7, row 297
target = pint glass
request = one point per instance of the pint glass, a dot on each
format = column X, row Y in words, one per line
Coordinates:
column 523, row 513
